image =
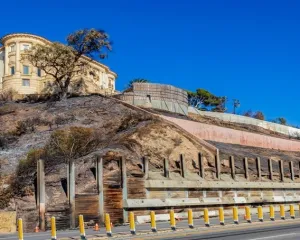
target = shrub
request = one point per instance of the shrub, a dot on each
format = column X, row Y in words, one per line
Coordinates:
column 26, row 172
column 259, row 115
column 7, row 95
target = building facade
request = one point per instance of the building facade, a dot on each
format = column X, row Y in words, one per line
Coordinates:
column 24, row 79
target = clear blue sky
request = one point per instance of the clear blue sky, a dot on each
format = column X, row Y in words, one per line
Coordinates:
column 244, row 49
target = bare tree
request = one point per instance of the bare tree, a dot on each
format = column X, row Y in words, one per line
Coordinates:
column 65, row 62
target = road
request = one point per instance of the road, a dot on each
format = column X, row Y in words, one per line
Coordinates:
column 284, row 229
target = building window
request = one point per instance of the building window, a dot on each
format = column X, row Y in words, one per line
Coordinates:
column 12, row 48
column 12, row 70
column 26, row 47
column 25, row 82
column 39, row 72
column 26, row 70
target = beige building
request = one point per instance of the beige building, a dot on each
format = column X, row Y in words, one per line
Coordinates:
column 24, row 79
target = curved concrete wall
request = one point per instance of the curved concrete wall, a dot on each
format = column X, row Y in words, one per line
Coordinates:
column 227, row 135
column 158, row 96
column 227, row 117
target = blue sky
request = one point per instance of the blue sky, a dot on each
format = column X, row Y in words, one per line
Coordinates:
column 243, row 49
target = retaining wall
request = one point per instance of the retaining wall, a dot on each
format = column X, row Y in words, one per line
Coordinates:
column 227, row 117
column 158, row 96
column 227, row 135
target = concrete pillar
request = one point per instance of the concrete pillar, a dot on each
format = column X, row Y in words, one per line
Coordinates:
column 42, row 194
column 258, row 168
column 218, row 165
column 270, row 169
column 37, row 185
column 281, row 171
column 166, row 168
column 182, row 166
column 201, row 165
column 100, row 189
column 71, row 193
column 232, row 166
column 124, row 187
column 18, row 56
column 6, row 70
column 246, row 168
column 292, row 170
column 146, row 167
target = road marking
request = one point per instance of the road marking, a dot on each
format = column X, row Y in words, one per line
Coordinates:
column 277, row 236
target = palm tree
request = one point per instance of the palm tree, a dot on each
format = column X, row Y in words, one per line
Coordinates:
column 136, row 80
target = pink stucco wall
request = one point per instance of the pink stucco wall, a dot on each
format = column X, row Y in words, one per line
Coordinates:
column 227, row 135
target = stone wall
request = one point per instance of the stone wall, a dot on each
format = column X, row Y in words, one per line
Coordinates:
column 233, row 118
column 7, row 222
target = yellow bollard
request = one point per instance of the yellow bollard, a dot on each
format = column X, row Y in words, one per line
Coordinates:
column 172, row 220
column 107, row 225
column 248, row 214
column 282, row 212
column 190, row 218
column 132, row 223
column 272, row 213
column 20, row 229
column 260, row 214
column 206, row 217
column 53, row 229
column 153, row 221
column 235, row 215
column 221, row 216
column 81, row 227
column 292, row 211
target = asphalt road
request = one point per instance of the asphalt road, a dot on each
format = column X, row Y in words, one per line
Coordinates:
column 183, row 232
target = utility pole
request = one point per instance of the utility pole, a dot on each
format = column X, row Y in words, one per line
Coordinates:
column 236, row 104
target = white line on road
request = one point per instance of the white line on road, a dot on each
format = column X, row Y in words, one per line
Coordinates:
column 277, row 236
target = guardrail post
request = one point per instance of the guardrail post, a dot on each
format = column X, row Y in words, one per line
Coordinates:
column 81, row 227
column 281, row 171
column 20, row 229
column 258, row 167
column 132, row 223
column 107, row 225
column 248, row 214
column 221, row 216
column 246, row 167
column 201, row 165
column 260, row 214
column 53, row 228
column 270, row 169
column 292, row 211
column 292, row 170
column 166, row 168
column 235, row 215
column 206, row 217
column 172, row 220
column 153, row 221
column 232, row 166
column 282, row 212
column 272, row 213
column 190, row 218
column 218, row 164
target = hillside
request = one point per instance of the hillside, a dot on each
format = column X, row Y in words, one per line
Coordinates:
column 115, row 129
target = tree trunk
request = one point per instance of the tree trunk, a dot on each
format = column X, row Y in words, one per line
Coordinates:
column 63, row 94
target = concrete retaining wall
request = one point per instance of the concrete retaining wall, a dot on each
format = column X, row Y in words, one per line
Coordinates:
column 227, row 135
column 227, row 117
column 157, row 96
